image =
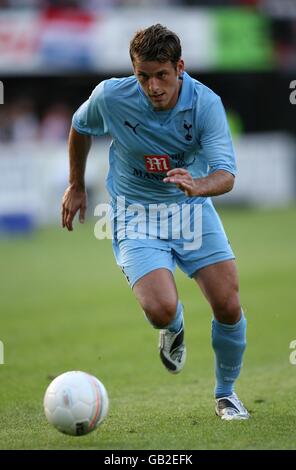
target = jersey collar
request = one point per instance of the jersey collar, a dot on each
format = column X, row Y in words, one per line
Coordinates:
column 185, row 100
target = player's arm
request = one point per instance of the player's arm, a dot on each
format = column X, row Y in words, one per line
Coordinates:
column 216, row 183
column 75, row 197
column 87, row 121
column 215, row 141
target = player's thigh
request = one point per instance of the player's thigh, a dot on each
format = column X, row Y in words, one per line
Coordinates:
column 220, row 284
column 148, row 266
column 157, row 292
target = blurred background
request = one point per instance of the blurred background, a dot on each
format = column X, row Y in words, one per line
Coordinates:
column 54, row 52
column 64, row 304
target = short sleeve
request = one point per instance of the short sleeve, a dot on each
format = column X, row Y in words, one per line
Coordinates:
column 89, row 117
column 215, row 138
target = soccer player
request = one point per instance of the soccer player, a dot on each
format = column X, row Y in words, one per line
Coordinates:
column 171, row 148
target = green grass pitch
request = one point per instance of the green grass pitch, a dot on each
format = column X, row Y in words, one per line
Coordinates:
column 66, row 306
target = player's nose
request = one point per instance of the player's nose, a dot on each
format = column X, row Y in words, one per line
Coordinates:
column 153, row 85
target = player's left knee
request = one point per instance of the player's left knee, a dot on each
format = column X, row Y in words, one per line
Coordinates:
column 229, row 310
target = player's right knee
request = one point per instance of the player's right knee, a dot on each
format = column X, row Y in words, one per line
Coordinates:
column 160, row 314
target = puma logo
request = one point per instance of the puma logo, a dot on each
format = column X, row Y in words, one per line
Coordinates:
column 126, row 123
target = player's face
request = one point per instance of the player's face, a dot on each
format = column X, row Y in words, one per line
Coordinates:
column 159, row 81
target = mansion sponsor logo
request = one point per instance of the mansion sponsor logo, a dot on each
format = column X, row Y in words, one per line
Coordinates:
column 155, row 221
column 164, row 163
column 157, row 163
column 147, row 175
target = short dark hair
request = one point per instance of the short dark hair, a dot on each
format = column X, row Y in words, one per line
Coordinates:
column 156, row 43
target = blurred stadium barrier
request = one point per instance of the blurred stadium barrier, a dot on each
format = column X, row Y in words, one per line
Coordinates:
column 32, row 185
column 33, row 180
column 61, row 40
column 266, row 170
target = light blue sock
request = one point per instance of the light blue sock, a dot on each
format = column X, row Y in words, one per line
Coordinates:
column 176, row 324
column 229, row 343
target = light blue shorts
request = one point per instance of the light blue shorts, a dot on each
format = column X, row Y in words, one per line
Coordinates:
column 137, row 257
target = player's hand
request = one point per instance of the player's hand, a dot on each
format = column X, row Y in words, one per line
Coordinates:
column 183, row 180
column 74, row 200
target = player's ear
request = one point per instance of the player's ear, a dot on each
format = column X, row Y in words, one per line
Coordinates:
column 180, row 67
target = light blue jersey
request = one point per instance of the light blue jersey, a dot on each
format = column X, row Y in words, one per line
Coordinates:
column 146, row 144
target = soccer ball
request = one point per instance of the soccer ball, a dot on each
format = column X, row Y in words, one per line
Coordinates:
column 76, row 403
